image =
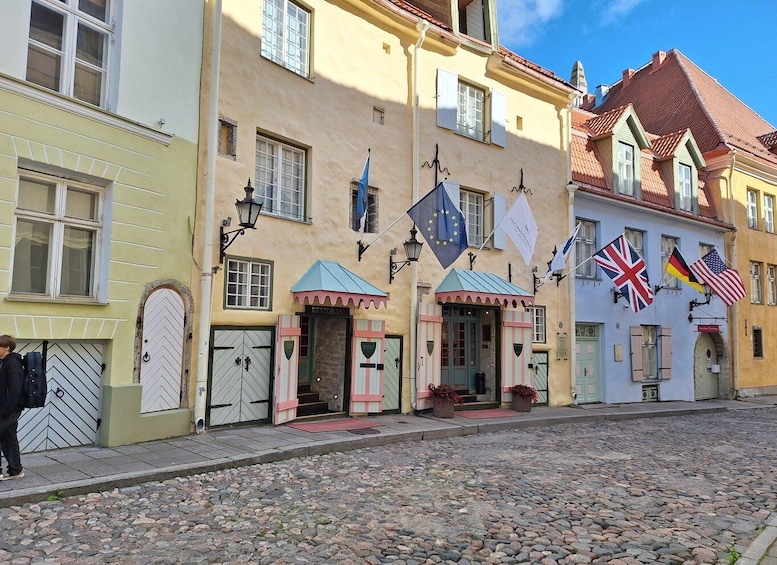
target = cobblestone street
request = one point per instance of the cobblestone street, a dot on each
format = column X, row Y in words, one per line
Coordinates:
column 691, row 489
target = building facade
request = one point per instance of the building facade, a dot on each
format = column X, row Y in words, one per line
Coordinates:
column 671, row 93
column 645, row 188
column 304, row 319
column 98, row 154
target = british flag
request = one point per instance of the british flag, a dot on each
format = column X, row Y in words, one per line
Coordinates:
column 621, row 262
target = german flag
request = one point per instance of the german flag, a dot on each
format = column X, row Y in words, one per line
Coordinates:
column 678, row 268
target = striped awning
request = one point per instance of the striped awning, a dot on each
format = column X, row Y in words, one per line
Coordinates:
column 328, row 283
column 476, row 287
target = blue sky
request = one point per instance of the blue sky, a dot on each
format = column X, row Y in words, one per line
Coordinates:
column 731, row 40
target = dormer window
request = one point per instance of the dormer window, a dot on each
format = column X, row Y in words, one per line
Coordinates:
column 686, row 188
column 473, row 19
column 625, row 169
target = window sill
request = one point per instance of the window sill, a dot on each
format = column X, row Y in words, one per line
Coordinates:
column 50, row 300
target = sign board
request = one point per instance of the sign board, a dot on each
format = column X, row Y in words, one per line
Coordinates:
column 326, row 311
column 708, row 328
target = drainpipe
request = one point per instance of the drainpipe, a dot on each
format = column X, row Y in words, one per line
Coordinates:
column 571, row 189
column 422, row 26
column 206, row 280
column 732, row 319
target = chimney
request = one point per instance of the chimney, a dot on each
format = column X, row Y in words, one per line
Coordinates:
column 627, row 74
column 601, row 94
column 658, row 59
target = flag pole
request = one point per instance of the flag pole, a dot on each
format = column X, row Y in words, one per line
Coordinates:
column 363, row 248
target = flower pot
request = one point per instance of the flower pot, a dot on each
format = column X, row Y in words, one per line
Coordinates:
column 521, row 403
column 442, row 408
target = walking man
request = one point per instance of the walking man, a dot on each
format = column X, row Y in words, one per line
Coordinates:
column 11, row 379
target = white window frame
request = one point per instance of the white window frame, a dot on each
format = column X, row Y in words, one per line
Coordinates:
column 286, row 35
column 771, row 281
column 472, row 207
column 637, row 240
column 58, row 223
column 752, row 209
column 625, row 169
column 539, row 324
column 769, row 213
column 67, row 52
column 585, row 246
column 371, row 225
column 471, row 111
column 247, row 284
column 649, row 352
column 756, row 293
column 281, row 185
column 668, row 244
column 686, row 187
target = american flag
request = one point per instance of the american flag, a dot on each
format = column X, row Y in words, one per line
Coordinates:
column 621, row 262
column 726, row 282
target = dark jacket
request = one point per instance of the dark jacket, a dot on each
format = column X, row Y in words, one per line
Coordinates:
column 11, row 379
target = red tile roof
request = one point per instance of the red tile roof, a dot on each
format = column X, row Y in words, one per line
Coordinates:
column 589, row 174
column 603, row 123
column 671, row 93
column 666, row 145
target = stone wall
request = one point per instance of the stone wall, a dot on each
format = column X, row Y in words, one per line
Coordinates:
column 329, row 360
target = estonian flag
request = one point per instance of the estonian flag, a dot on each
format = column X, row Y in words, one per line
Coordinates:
column 362, row 197
column 678, row 268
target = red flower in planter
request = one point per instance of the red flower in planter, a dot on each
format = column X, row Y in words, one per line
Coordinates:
column 525, row 391
column 447, row 392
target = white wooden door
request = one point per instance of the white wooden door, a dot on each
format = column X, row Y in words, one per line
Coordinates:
column 71, row 415
column 392, row 373
column 286, row 369
column 240, row 377
column 367, row 356
column 429, row 351
column 705, row 357
column 588, row 387
column 161, row 363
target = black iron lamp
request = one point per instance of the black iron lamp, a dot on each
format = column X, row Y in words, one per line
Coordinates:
column 412, row 252
column 247, row 212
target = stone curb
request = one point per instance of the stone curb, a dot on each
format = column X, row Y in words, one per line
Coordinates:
column 760, row 546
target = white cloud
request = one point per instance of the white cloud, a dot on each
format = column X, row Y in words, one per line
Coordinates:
column 616, row 9
column 522, row 21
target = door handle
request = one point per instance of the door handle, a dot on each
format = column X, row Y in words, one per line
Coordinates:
column 396, row 362
column 59, row 393
column 248, row 362
column 238, row 360
column 146, row 357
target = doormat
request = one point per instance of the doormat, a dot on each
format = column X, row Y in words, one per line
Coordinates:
column 488, row 413
column 343, row 425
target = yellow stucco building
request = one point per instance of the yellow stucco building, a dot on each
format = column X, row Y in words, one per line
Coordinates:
column 304, row 320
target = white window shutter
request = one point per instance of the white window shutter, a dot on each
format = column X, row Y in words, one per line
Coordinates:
column 498, row 118
column 500, row 208
column 637, row 372
column 666, row 353
column 447, row 99
column 453, row 190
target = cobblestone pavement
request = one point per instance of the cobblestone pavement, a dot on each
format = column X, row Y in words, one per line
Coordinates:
column 693, row 489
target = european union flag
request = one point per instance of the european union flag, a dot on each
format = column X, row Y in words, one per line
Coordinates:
column 442, row 224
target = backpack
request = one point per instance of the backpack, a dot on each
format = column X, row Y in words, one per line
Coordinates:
column 34, row 387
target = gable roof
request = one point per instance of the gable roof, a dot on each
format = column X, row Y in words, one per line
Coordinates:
column 671, row 93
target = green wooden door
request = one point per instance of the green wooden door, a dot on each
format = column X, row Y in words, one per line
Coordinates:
column 306, row 348
column 588, row 387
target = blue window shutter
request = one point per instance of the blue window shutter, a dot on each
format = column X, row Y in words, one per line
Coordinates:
column 498, row 118
column 447, row 99
column 500, row 208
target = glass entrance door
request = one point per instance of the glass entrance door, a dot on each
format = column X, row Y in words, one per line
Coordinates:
column 461, row 331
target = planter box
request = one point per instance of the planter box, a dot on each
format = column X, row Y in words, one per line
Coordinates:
column 521, row 404
column 442, row 408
